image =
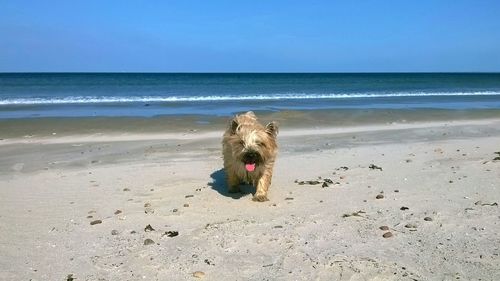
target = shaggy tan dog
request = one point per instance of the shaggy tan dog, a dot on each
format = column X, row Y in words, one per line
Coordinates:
column 249, row 151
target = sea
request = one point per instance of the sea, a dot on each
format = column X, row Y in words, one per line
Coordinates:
column 36, row 95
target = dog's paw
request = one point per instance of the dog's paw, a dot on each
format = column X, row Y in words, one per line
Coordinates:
column 260, row 198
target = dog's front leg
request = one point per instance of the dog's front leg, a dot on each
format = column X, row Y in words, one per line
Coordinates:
column 262, row 186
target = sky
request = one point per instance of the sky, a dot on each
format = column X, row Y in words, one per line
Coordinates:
column 249, row 36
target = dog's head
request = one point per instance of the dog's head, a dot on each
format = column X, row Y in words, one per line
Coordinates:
column 252, row 144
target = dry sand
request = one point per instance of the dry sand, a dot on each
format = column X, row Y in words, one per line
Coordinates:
column 438, row 190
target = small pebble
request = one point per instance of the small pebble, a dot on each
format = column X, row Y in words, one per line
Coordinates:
column 427, row 219
column 148, row 242
column 387, row 234
column 396, row 190
column 289, row 198
column 114, row 232
column 410, row 225
column 95, row 222
column 126, row 189
column 189, row 196
column 175, row 210
column 186, row 205
column 384, row 227
column 380, row 196
column 117, row 212
column 404, row 208
column 199, row 274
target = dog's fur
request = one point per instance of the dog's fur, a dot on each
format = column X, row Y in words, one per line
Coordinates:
column 247, row 141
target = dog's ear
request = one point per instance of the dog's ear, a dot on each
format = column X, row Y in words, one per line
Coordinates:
column 272, row 129
column 234, row 126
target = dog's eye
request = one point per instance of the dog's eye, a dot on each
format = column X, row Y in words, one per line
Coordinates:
column 261, row 144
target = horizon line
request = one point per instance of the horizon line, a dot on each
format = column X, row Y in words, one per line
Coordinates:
column 249, row 72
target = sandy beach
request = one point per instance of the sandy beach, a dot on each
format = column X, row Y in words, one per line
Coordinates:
column 391, row 201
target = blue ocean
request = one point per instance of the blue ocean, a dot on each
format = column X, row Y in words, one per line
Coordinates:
column 31, row 95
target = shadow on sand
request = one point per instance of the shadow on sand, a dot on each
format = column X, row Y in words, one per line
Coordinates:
column 219, row 184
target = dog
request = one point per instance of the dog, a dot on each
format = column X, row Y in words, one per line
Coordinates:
column 249, row 150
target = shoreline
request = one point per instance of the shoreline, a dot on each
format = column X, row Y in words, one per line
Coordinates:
column 193, row 134
column 48, row 126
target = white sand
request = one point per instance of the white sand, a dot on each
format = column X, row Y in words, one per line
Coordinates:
column 444, row 171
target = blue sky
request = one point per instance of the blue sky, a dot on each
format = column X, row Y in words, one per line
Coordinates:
column 250, row 36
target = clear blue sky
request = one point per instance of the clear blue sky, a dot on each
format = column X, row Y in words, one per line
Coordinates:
column 250, row 36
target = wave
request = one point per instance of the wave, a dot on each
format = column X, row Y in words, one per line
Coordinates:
column 167, row 99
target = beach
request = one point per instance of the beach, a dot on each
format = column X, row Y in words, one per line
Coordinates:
column 82, row 202
column 131, row 136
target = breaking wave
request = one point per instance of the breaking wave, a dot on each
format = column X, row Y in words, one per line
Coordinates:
column 215, row 98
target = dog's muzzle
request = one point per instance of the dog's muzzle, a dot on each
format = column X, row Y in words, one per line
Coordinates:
column 251, row 158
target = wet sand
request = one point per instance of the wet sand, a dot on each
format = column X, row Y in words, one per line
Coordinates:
column 77, row 204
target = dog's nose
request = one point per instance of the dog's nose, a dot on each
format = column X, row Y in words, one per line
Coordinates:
column 251, row 156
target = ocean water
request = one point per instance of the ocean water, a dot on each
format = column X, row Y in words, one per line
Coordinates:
column 31, row 95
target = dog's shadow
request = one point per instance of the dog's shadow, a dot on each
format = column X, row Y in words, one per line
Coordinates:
column 219, row 184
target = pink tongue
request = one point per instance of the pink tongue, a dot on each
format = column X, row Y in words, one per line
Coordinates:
column 250, row 167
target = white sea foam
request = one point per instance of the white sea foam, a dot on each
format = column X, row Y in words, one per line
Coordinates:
column 173, row 99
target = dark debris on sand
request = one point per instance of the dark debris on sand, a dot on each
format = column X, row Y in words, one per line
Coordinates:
column 313, row 182
column 375, row 167
column 149, row 228
column 324, row 182
column 480, row 203
column 497, row 158
column 355, row 214
column 170, row 233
